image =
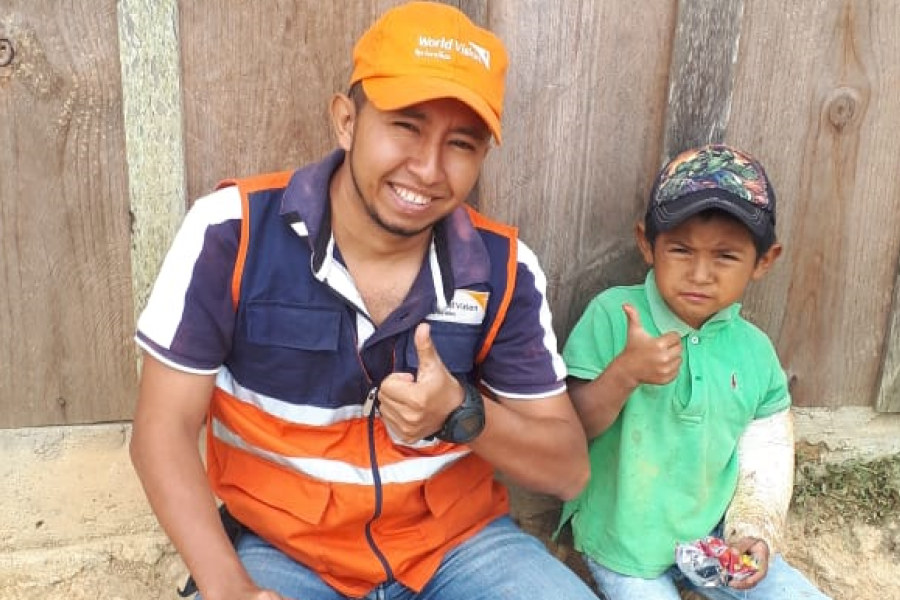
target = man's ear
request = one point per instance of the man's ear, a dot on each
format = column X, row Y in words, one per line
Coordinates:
column 766, row 261
column 343, row 116
column 644, row 245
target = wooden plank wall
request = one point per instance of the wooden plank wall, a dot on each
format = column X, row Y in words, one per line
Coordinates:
column 888, row 398
column 599, row 93
column 701, row 74
column 816, row 97
column 66, row 302
column 154, row 133
column 257, row 82
column 581, row 137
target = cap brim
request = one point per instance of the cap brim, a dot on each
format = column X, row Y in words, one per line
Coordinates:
column 394, row 93
column 673, row 213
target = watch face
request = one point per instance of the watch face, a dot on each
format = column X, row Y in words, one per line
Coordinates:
column 470, row 425
column 466, row 422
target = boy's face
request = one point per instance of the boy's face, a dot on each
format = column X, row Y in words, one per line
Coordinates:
column 704, row 265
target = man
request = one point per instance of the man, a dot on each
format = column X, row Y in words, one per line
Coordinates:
column 335, row 328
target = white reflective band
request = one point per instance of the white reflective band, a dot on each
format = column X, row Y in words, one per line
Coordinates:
column 292, row 413
column 335, row 471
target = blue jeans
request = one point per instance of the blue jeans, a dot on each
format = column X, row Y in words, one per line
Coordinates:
column 782, row 582
column 500, row 562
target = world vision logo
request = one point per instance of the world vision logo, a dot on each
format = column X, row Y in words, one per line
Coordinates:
column 467, row 307
column 441, row 48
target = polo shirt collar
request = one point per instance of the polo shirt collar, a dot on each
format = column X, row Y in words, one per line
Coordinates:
column 666, row 320
column 457, row 256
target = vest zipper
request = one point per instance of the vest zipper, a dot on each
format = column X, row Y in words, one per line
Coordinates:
column 376, row 475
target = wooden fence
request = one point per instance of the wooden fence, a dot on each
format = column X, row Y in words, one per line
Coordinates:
column 113, row 115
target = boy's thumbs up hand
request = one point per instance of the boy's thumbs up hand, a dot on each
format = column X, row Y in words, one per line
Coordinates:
column 634, row 322
column 416, row 407
column 649, row 359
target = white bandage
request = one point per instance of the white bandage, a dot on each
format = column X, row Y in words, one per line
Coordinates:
column 765, row 481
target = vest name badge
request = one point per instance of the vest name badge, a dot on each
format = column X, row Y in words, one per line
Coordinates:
column 468, row 307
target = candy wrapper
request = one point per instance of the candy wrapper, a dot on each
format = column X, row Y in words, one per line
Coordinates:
column 709, row 562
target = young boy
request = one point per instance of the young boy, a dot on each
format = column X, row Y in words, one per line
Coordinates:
column 685, row 403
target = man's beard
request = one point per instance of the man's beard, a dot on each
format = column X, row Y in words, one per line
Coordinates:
column 373, row 214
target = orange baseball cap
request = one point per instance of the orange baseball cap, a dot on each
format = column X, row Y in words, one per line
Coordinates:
column 422, row 51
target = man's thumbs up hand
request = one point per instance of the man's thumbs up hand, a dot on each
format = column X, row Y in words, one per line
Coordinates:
column 431, row 367
column 416, row 407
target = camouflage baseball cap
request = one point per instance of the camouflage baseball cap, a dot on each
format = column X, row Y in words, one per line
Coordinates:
column 713, row 177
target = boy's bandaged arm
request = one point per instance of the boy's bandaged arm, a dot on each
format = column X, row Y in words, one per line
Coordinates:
column 765, row 480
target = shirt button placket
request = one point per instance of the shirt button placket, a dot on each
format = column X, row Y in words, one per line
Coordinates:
column 695, row 341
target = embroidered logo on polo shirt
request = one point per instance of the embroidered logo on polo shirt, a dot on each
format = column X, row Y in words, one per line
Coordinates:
column 467, row 307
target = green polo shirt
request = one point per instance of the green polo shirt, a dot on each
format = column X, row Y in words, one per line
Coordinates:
column 666, row 470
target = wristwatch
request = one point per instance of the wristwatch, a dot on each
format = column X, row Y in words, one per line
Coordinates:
column 466, row 421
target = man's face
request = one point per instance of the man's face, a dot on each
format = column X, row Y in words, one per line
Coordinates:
column 704, row 265
column 413, row 166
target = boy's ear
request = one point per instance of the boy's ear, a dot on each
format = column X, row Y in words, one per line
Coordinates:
column 644, row 245
column 343, row 115
column 766, row 261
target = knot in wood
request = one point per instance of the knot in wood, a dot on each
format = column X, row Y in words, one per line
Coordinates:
column 841, row 107
column 7, row 52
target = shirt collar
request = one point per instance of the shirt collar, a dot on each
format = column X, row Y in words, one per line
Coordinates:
column 457, row 255
column 666, row 320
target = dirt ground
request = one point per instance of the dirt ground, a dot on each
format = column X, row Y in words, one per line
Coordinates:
column 843, row 533
column 850, row 560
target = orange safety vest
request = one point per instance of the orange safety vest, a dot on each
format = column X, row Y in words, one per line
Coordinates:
column 338, row 495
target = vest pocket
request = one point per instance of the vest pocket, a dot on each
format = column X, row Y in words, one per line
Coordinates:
column 296, row 327
column 461, row 497
column 288, row 351
column 283, row 508
column 455, row 343
column 275, row 489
